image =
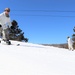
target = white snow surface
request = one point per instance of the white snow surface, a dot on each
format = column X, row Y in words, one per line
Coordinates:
column 34, row 59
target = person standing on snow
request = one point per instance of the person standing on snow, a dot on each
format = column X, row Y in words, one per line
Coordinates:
column 5, row 23
column 70, row 43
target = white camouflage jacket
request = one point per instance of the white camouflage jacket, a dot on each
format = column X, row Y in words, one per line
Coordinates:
column 5, row 21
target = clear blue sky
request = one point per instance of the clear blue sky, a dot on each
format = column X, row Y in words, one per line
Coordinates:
column 43, row 21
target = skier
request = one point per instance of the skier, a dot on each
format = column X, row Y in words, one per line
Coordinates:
column 5, row 24
column 70, row 43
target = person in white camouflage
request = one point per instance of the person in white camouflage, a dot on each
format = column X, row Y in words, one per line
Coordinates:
column 5, row 23
column 70, row 43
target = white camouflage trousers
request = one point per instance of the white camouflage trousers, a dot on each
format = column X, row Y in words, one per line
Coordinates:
column 4, row 34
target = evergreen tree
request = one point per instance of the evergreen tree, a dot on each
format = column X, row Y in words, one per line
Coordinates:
column 73, row 36
column 15, row 33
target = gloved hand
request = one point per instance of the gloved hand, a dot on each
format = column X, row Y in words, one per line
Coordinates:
column 12, row 27
column 0, row 25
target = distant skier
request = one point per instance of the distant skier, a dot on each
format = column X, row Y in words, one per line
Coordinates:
column 5, row 23
column 70, row 43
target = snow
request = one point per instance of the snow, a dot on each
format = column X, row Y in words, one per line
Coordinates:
column 34, row 59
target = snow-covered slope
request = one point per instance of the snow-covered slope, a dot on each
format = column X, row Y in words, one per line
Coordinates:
column 34, row 59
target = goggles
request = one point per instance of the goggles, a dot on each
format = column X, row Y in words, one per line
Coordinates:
column 7, row 10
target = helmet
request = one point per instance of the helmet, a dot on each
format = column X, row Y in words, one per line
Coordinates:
column 7, row 9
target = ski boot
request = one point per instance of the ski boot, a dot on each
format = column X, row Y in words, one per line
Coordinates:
column 8, row 42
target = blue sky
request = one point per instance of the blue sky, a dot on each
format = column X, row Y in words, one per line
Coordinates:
column 43, row 21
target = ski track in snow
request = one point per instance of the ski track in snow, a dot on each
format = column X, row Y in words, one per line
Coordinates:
column 34, row 59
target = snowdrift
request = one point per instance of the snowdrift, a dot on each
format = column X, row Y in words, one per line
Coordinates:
column 34, row 59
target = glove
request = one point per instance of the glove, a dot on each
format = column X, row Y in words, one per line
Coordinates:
column 12, row 27
column 0, row 25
